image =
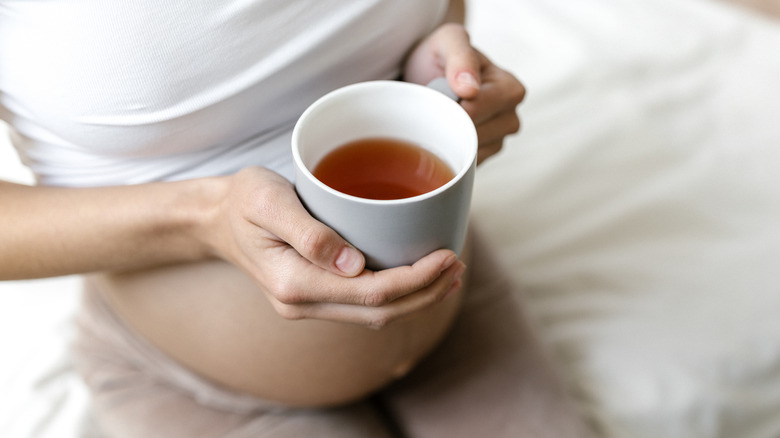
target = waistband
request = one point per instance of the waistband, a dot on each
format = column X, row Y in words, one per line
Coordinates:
column 104, row 343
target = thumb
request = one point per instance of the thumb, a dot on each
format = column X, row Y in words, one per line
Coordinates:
column 313, row 240
column 325, row 248
column 461, row 60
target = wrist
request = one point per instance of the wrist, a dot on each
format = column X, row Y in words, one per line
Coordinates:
column 199, row 209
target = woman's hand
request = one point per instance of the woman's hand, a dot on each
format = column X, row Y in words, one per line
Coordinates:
column 252, row 219
column 489, row 94
column 306, row 269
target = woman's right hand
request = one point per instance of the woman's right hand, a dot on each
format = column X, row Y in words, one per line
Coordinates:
column 306, row 269
column 252, row 219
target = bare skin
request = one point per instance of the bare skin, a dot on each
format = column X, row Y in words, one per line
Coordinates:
column 232, row 277
column 190, row 310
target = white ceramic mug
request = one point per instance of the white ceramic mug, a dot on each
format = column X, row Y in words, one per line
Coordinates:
column 394, row 232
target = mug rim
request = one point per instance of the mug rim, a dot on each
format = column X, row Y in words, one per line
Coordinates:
column 302, row 168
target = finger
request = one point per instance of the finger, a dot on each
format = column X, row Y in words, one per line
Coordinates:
column 283, row 215
column 488, row 150
column 492, row 133
column 500, row 126
column 461, row 61
column 380, row 316
column 494, row 98
column 310, row 285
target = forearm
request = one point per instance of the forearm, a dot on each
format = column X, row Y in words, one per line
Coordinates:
column 48, row 231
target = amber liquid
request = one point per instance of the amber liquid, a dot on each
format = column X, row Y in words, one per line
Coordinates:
column 382, row 168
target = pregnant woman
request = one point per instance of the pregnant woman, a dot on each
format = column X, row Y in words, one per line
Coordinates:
column 213, row 304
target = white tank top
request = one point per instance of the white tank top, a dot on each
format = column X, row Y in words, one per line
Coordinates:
column 101, row 92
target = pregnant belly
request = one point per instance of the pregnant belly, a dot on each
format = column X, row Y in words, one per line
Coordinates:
column 213, row 319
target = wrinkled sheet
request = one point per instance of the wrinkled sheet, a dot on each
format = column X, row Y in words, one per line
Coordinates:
column 638, row 212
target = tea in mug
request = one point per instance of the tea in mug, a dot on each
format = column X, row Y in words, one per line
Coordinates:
column 382, row 168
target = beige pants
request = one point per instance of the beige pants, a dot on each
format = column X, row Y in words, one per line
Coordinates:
column 487, row 379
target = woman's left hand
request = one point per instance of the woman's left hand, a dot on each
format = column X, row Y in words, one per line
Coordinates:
column 489, row 94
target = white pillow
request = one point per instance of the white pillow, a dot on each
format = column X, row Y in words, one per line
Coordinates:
column 639, row 209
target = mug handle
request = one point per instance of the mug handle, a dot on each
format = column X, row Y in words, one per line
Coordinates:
column 440, row 84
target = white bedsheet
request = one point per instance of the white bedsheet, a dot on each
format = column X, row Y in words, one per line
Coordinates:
column 638, row 212
column 641, row 207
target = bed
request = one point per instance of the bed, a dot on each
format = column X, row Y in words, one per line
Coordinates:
column 638, row 213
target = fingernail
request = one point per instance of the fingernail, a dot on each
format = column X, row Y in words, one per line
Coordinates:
column 350, row 261
column 456, row 285
column 449, row 261
column 459, row 272
column 457, row 279
column 467, row 79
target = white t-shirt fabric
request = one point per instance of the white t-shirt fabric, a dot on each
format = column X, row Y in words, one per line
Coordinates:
column 107, row 93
